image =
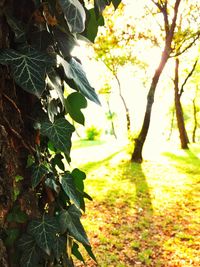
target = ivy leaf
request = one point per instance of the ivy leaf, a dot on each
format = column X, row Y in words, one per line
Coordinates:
column 31, row 254
column 51, row 183
column 90, row 253
column 12, row 235
column 44, row 231
column 101, row 4
column 116, row 3
column 54, row 82
column 16, row 215
column 38, row 172
column 70, row 220
column 76, row 252
column 79, row 176
column 59, row 132
column 74, row 15
column 17, row 27
column 73, row 70
column 66, row 42
column 59, row 246
column 28, row 68
column 67, row 182
column 74, row 103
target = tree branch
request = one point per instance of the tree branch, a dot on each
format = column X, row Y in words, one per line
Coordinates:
column 186, row 79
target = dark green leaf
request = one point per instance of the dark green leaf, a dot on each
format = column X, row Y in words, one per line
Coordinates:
column 77, row 253
column 90, row 253
column 28, row 68
column 59, row 132
column 31, row 254
column 74, row 15
column 78, row 176
column 70, row 220
column 74, row 103
column 12, row 235
column 59, row 246
column 17, row 27
column 57, row 161
column 41, row 40
column 67, row 182
column 52, row 108
column 116, row 3
column 16, row 215
column 38, row 172
column 66, row 42
column 44, row 231
column 54, row 82
column 51, row 183
column 91, row 28
column 101, row 4
column 73, row 70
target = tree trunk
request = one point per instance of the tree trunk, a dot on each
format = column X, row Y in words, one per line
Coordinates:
column 137, row 153
column 139, row 142
column 16, row 143
column 111, row 119
column 171, row 125
column 128, row 120
column 195, row 117
column 179, row 111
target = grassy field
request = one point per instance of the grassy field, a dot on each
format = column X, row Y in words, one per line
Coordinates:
column 142, row 214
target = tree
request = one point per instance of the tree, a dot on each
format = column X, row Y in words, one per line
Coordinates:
column 42, row 199
column 178, row 91
column 114, row 48
column 170, row 16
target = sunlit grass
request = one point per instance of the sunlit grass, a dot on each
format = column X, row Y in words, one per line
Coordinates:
column 145, row 214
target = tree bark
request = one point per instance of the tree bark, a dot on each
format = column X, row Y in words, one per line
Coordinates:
column 16, row 143
column 111, row 119
column 179, row 111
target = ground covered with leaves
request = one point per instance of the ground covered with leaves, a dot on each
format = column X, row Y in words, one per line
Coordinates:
column 144, row 214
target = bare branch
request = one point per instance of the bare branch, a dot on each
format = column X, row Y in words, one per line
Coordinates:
column 188, row 76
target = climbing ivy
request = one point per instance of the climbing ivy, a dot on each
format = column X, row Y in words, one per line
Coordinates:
column 40, row 62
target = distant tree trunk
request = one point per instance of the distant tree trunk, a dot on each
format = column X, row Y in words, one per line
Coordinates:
column 111, row 119
column 179, row 111
column 128, row 120
column 169, row 29
column 171, row 125
column 195, row 117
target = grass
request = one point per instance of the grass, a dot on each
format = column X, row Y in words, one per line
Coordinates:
column 143, row 214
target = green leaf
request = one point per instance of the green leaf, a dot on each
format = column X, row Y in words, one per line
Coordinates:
column 51, row 183
column 90, row 253
column 74, row 15
column 28, row 68
column 16, row 215
column 44, row 231
column 67, row 182
column 57, row 161
column 77, row 253
column 59, row 132
column 12, row 235
column 66, row 42
column 31, row 254
column 38, row 172
column 91, row 28
column 17, row 27
column 116, row 3
column 54, row 82
column 73, row 70
column 79, row 176
column 70, row 220
column 74, row 103
column 59, row 246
